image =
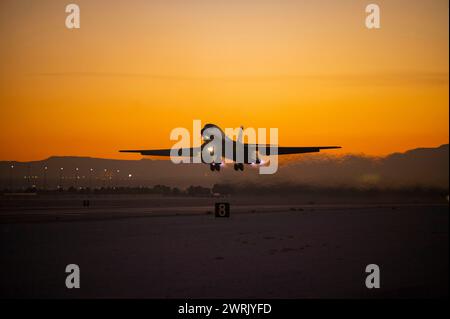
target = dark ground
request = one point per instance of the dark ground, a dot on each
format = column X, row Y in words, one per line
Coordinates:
column 175, row 248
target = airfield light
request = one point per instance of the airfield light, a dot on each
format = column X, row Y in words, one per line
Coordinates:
column 61, row 177
column 11, row 178
column 90, row 178
column 45, row 177
column 129, row 175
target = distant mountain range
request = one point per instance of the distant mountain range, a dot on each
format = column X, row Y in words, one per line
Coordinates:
column 422, row 167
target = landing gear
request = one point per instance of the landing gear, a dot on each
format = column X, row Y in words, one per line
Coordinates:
column 238, row 166
column 214, row 166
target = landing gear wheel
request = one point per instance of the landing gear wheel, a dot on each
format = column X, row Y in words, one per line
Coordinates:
column 214, row 166
column 238, row 166
column 241, row 166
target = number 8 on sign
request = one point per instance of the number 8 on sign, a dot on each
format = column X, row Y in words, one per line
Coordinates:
column 222, row 210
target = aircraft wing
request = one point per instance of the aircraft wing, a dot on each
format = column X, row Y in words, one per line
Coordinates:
column 295, row 150
column 196, row 150
column 193, row 151
column 300, row 150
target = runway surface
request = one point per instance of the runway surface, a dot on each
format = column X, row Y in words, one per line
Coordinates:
column 262, row 251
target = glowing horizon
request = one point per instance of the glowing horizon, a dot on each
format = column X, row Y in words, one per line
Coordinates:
column 136, row 70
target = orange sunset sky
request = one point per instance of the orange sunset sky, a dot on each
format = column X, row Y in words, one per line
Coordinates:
column 137, row 69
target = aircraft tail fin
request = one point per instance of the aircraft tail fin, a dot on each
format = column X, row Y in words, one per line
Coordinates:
column 240, row 136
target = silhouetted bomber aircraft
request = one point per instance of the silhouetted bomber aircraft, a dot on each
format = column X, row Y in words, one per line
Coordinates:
column 250, row 154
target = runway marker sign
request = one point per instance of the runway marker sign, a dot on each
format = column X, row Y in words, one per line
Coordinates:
column 222, row 210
